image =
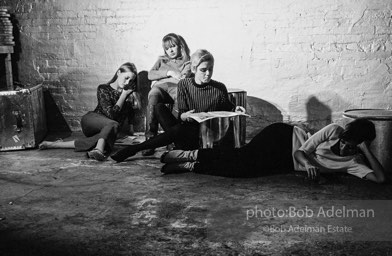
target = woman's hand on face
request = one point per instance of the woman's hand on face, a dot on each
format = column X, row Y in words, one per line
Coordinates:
column 313, row 171
column 240, row 109
column 174, row 74
column 185, row 116
column 131, row 85
column 127, row 92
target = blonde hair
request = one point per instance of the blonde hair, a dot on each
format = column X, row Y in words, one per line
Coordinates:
column 174, row 39
column 200, row 56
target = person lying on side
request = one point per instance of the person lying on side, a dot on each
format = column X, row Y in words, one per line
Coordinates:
column 282, row 148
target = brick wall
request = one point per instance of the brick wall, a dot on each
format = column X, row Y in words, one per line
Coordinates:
column 301, row 61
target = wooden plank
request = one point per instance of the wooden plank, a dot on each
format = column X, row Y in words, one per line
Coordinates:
column 8, row 72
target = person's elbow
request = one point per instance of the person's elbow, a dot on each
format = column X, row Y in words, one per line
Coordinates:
column 380, row 179
column 298, row 154
column 150, row 76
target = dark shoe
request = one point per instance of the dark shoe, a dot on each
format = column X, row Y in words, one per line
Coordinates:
column 123, row 154
column 151, row 151
column 148, row 152
column 150, row 134
column 171, row 146
column 178, row 167
column 179, row 156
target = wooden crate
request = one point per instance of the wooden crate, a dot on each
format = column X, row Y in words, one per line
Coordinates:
column 22, row 118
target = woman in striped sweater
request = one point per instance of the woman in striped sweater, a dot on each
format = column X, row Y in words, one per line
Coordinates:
column 197, row 94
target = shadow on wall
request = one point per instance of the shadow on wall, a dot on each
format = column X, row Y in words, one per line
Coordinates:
column 56, row 124
column 318, row 114
column 262, row 114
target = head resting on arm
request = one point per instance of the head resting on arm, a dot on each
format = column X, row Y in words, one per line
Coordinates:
column 358, row 131
column 126, row 67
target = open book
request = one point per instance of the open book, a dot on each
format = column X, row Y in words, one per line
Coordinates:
column 203, row 116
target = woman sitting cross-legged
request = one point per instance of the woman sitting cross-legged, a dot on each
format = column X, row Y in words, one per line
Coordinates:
column 197, row 94
column 117, row 100
column 282, row 148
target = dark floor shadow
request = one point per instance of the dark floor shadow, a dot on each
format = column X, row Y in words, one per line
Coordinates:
column 262, row 114
column 318, row 114
column 26, row 244
column 56, row 124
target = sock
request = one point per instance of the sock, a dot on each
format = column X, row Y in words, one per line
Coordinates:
column 176, row 156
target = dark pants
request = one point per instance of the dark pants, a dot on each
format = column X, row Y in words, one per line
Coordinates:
column 269, row 152
column 165, row 93
column 185, row 135
column 96, row 126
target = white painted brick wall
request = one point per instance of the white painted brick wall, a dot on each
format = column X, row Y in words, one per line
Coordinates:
column 305, row 60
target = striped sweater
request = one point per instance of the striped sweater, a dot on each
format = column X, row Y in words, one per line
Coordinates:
column 202, row 98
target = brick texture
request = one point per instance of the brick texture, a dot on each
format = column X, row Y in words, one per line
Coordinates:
column 300, row 61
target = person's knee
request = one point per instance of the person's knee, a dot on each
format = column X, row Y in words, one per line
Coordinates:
column 159, row 107
column 178, row 129
column 154, row 96
column 113, row 126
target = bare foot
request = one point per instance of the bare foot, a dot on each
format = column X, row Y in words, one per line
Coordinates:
column 48, row 144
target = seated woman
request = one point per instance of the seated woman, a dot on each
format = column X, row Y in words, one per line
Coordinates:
column 117, row 100
column 169, row 69
column 282, row 148
column 197, row 94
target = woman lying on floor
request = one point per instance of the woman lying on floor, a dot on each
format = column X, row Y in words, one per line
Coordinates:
column 282, row 148
column 117, row 100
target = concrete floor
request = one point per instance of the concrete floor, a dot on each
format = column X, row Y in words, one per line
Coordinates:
column 57, row 202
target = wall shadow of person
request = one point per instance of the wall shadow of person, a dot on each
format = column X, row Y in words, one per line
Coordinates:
column 318, row 114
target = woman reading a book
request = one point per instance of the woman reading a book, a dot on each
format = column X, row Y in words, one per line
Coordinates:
column 197, row 94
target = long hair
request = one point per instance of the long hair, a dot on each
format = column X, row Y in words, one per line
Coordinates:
column 198, row 57
column 358, row 131
column 126, row 67
column 134, row 97
column 174, row 39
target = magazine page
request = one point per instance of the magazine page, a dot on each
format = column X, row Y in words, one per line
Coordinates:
column 203, row 116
